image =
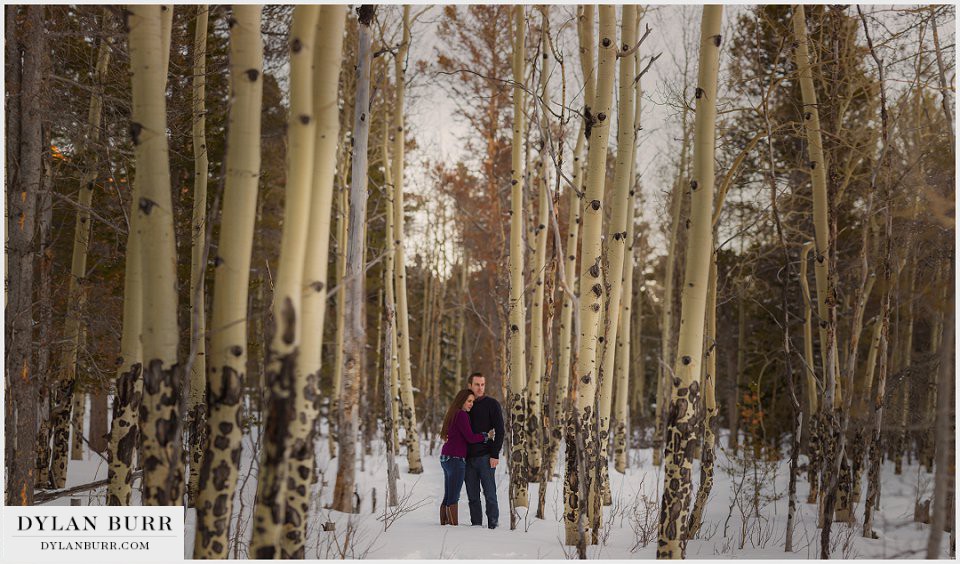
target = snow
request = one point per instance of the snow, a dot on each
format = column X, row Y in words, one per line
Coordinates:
column 748, row 501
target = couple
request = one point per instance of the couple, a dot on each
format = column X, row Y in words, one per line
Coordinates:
column 473, row 430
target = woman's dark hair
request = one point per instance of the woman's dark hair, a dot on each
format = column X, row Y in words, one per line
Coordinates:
column 456, row 406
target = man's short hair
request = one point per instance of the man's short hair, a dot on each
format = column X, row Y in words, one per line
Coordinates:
column 474, row 375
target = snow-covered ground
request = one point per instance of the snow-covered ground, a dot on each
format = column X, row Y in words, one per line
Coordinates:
column 745, row 515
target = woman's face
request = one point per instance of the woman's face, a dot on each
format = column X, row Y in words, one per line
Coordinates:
column 468, row 405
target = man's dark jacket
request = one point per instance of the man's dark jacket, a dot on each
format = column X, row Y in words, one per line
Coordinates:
column 486, row 415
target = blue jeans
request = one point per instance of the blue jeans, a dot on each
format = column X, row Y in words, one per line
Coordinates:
column 453, row 470
column 479, row 474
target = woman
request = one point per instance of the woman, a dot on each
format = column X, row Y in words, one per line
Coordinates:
column 457, row 432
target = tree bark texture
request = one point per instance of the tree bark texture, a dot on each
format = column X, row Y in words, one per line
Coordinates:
column 283, row 355
column 516, row 390
column 326, row 47
column 354, row 330
column 196, row 407
column 159, row 411
column 227, row 355
column 685, row 389
column 21, row 379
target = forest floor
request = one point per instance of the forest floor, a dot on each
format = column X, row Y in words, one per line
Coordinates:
column 745, row 516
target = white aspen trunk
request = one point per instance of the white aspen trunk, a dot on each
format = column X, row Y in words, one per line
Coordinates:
column 461, row 313
column 624, row 347
column 818, row 174
column 69, row 393
column 196, row 408
column 562, row 404
column 616, row 243
column 354, row 334
column 78, row 412
column 283, row 354
column 685, row 390
column 625, row 342
column 389, row 274
column 409, row 413
column 710, row 405
column 667, row 314
column 591, row 276
column 534, row 434
column 327, row 57
column 517, row 331
column 160, row 409
column 227, row 355
column 815, row 454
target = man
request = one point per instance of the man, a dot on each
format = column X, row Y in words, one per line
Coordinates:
column 482, row 458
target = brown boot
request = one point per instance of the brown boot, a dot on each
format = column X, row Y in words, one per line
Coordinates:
column 443, row 515
column 452, row 514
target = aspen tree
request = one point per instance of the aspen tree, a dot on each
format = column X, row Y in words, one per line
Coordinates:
column 709, row 404
column 583, row 416
column 159, row 410
column 818, row 173
column 516, row 388
column 667, row 311
column 813, row 410
column 196, row 409
column 625, row 341
column 685, row 390
column 534, row 434
column 389, row 272
column 227, row 362
column 327, row 58
column 343, row 218
column 616, row 242
column 283, row 354
column 879, row 390
column 409, row 414
column 461, row 312
column 944, row 435
column 624, row 347
column 575, row 194
column 343, row 493
column 76, row 292
column 22, row 208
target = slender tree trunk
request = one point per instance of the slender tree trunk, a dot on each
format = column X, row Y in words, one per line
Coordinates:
column 327, row 54
column 69, row 396
column 625, row 341
column 354, row 334
column 78, row 411
column 389, row 275
column 710, row 405
column 535, row 411
column 685, row 393
column 516, row 390
column 343, row 218
column 568, row 347
column 389, row 370
column 810, row 382
column 616, row 244
column 159, row 410
column 22, row 208
column 196, row 407
column 667, row 312
column 944, row 437
column 583, row 418
column 283, row 355
column 227, row 364
column 409, row 413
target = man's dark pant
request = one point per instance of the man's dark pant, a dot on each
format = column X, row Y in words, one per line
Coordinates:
column 479, row 474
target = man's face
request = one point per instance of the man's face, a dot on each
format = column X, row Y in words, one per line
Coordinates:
column 477, row 386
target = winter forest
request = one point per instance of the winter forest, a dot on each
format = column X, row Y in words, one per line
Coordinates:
column 703, row 257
